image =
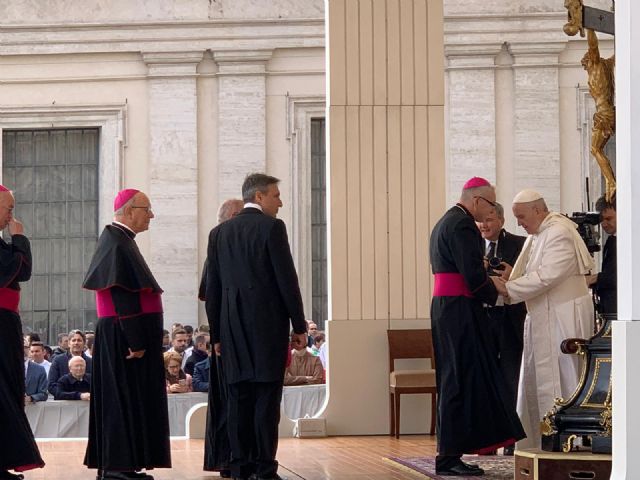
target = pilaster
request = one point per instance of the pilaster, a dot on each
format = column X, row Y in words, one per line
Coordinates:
column 173, row 179
column 241, row 117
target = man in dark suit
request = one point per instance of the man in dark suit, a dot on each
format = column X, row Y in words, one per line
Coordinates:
column 506, row 322
column 252, row 296
column 605, row 283
column 35, row 382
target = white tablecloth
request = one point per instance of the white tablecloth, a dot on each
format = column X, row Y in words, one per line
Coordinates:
column 70, row 418
column 303, row 400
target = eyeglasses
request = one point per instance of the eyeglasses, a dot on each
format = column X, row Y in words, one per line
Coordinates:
column 493, row 204
column 147, row 209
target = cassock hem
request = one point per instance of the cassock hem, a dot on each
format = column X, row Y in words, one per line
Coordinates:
column 31, row 466
column 491, row 448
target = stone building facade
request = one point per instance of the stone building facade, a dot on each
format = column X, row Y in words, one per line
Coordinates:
column 187, row 96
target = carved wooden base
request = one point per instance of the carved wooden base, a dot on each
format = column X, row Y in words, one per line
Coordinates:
column 539, row 465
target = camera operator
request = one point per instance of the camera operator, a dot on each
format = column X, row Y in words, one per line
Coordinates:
column 506, row 322
column 604, row 284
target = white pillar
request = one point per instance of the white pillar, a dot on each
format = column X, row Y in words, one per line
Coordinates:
column 537, row 119
column 471, row 115
column 173, row 189
column 626, row 331
column 242, row 135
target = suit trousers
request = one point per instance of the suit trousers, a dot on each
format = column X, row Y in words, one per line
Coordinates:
column 254, row 415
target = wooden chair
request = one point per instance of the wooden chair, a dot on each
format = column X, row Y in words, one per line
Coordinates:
column 404, row 344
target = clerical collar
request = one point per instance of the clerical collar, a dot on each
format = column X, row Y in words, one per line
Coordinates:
column 253, row 205
column 124, row 227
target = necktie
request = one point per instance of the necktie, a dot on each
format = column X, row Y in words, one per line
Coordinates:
column 492, row 250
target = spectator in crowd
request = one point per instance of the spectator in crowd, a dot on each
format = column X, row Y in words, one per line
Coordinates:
column 166, row 340
column 189, row 330
column 89, row 347
column 179, row 339
column 304, row 369
column 311, row 333
column 60, row 364
column 201, row 375
column 63, row 345
column 177, row 380
column 37, row 354
column 35, row 383
column 204, row 328
column 90, row 336
column 198, row 354
column 176, row 326
column 76, row 384
column 318, row 341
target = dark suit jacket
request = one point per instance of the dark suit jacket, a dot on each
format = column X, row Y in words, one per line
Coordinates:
column 607, row 284
column 509, row 248
column 60, row 367
column 36, row 382
column 252, row 294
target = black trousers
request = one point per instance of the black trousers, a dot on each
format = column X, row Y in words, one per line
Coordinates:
column 254, row 415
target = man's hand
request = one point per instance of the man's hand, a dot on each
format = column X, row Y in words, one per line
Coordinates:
column 591, row 279
column 500, row 285
column 16, row 227
column 136, row 354
column 299, row 340
column 216, row 348
column 506, row 273
column 85, row 396
column 27, row 400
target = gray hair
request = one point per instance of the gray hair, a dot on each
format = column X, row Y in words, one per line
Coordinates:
column 256, row 182
column 75, row 357
column 229, row 209
column 469, row 193
column 120, row 212
column 499, row 211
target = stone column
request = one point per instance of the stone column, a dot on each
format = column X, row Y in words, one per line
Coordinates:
column 626, row 331
column 537, row 119
column 471, row 115
column 173, row 177
column 241, row 118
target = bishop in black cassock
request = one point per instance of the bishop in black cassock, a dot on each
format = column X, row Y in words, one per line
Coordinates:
column 128, row 422
column 474, row 413
column 19, row 451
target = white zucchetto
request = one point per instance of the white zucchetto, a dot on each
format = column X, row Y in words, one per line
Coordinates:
column 527, row 195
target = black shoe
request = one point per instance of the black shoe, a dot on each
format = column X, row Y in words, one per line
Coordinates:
column 508, row 451
column 461, row 470
column 225, row 474
column 470, row 465
column 111, row 475
column 4, row 475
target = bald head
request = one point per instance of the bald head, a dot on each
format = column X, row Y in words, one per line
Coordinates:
column 7, row 202
column 229, row 209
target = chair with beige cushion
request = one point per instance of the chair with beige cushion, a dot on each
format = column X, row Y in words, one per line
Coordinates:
column 410, row 344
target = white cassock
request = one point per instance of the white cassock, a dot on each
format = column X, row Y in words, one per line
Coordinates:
column 549, row 277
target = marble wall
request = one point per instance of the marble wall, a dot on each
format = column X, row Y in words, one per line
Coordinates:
column 202, row 87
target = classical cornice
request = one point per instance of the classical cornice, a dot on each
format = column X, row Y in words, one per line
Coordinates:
column 160, row 36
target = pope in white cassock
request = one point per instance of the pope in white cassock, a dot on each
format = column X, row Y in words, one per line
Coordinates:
column 549, row 277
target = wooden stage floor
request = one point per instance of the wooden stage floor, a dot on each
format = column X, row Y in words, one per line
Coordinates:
column 333, row 458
